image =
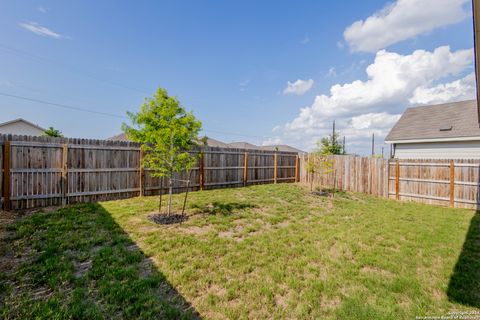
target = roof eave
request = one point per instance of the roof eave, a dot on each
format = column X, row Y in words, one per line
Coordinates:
column 472, row 138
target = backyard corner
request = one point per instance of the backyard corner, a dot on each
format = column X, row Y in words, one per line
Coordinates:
column 267, row 251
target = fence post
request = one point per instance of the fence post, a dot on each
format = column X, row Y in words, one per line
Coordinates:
column 397, row 181
column 245, row 169
column 6, row 175
column 201, row 173
column 452, row 184
column 296, row 168
column 64, row 174
column 142, row 175
column 275, row 168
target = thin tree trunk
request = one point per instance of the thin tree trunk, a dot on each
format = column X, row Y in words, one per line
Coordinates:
column 170, row 184
column 170, row 191
column 161, row 192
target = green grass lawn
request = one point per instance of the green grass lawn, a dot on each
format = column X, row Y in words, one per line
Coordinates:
column 271, row 251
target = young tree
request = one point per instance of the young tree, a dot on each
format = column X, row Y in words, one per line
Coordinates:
column 52, row 132
column 167, row 133
column 318, row 164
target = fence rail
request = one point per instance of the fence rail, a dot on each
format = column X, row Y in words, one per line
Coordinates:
column 454, row 183
column 42, row 171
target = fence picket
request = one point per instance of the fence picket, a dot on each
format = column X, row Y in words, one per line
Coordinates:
column 441, row 182
column 54, row 171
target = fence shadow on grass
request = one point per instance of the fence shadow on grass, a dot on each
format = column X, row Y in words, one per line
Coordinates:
column 86, row 267
column 464, row 286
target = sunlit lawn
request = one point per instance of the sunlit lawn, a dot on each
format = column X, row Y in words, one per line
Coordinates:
column 271, row 251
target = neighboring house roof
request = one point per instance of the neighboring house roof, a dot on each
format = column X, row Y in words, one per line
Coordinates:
column 239, row 145
column 243, row 145
column 456, row 121
column 118, row 137
column 216, row 143
column 283, row 148
column 210, row 142
column 21, row 120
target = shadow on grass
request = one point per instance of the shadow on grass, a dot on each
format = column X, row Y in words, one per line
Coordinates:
column 464, row 286
column 78, row 263
column 222, row 208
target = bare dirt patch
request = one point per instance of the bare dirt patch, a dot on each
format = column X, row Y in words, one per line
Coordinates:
column 245, row 228
column 41, row 293
column 146, row 267
column 376, row 270
column 330, row 303
column 81, row 268
column 195, row 230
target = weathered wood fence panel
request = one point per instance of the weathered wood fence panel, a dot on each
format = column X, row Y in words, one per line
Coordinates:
column 447, row 182
column 440, row 182
column 349, row 173
column 43, row 171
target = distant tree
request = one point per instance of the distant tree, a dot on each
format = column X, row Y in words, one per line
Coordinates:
column 331, row 145
column 167, row 133
column 52, row 132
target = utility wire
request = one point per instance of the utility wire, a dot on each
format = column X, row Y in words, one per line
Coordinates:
column 69, row 107
column 39, row 59
column 64, row 106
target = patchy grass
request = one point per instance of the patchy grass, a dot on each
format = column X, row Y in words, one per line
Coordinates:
column 271, row 251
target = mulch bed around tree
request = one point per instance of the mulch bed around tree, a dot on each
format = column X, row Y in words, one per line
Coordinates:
column 163, row 218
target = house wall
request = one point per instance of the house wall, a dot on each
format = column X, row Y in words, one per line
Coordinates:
column 20, row 128
column 438, row 150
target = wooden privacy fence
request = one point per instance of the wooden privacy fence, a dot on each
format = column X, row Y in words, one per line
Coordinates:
column 349, row 173
column 42, row 171
column 453, row 183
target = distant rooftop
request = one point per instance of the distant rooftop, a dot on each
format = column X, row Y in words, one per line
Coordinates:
column 239, row 145
column 440, row 122
column 21, row 120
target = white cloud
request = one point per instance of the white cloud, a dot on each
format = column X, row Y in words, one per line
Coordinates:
column 462, row 89
column 276, row 128
column 376, row 121
column 305, row 40
column 271, row 141
column 394, row 81
column 243, row 84
column 42, row 9
column 404, row 19
column 332, row 72
column 298, row 87
column 41, row 31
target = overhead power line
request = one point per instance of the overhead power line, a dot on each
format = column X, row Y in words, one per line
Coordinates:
column 75, row 70
column 69, row 107
column 60, row 105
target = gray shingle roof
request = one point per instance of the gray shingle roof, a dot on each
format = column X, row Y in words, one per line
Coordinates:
column 282, row 147
column 240, row 145
column 425, row 122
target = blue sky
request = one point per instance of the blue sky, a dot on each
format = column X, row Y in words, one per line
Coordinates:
column 231, row 62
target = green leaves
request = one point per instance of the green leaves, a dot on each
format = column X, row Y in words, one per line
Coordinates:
column 52, row 132
column 330, row 145
column 167, row 133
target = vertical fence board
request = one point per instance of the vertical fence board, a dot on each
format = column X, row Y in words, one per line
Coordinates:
column 443, row 182
column 53, row 171
column 6, row 175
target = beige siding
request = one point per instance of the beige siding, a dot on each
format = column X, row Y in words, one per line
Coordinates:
column 20, row 128
column 439, row 150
